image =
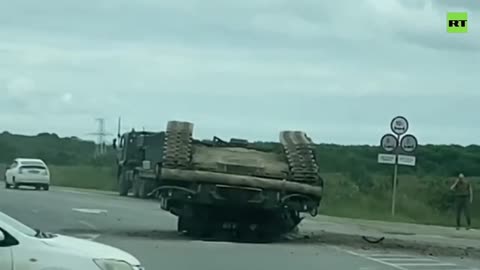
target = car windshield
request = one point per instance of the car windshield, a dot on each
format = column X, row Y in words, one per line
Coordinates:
column 17, row 225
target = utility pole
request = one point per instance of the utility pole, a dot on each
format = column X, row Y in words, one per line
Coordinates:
column 101, row 133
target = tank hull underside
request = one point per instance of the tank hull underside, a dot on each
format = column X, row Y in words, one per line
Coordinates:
column 245, row 191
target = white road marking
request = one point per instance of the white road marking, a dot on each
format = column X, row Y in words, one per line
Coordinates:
column 371, row 259
column 426, row 264
column 87, row 224
column 406, row 262
column 388, row 255
column 407, row 259
column 89, row 211
column 87, row 236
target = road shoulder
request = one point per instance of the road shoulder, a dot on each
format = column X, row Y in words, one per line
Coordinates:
column 431, row 240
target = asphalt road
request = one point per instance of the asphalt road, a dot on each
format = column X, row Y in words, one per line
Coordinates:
column 141, row 228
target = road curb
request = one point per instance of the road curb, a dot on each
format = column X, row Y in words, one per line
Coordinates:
column 356, row 241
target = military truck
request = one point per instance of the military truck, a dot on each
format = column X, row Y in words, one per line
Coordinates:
column 134, row 148
column 213, row 185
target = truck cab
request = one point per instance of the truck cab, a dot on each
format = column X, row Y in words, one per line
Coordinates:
column 134, row 150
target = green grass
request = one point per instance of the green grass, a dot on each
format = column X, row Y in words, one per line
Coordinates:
column 417, row 200
column 416, row 197
column 91, row 177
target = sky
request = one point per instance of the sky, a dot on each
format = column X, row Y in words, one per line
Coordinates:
column 338, row 70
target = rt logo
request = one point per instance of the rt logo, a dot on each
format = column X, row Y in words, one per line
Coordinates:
column 457, row 22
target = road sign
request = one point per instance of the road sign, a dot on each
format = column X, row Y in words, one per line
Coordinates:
column 389, row 142
column 399, row 125
column 386, row 158
column 409, row 143
column 406, row 160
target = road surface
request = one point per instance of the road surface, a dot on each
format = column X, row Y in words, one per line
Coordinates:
column 141, row 228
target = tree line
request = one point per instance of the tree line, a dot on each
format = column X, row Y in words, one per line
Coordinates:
column 432, row 160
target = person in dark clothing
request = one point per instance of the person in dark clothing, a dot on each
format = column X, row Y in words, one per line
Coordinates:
column 463, row 199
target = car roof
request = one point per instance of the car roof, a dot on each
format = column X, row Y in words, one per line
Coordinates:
column 29, row 160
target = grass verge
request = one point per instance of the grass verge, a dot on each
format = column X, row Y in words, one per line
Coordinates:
column 90, row 177
column 419, row 200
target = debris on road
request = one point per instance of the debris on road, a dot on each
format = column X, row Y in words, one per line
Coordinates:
column 426, row 239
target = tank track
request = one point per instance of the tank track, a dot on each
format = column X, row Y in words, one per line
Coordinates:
column 300, row 152
column 177, row 151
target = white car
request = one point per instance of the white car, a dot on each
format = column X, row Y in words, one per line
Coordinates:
column 27, row 172
column 22, row 247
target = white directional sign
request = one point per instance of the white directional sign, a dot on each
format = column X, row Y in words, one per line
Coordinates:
column 408, row 143
column 389, row 142
column 399, row 125
column 386, row 158
column 406, row 160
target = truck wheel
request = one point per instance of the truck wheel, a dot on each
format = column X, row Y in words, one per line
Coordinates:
column 123, row 184
column 136, row 186
column 182, row 224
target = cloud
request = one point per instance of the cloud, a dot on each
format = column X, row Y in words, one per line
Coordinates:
column 250, row 67
column 20, row 87
column 67, row 97
column 423, row 23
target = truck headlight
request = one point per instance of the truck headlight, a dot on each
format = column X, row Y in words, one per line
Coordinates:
column 108, row 264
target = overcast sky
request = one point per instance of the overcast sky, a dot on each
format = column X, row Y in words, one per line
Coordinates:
column 340, row 70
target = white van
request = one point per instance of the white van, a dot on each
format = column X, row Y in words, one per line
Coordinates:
column 27, row 172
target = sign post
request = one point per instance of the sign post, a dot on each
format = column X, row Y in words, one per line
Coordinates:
column 392, row 144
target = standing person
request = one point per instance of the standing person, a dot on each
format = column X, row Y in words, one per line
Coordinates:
column 463, row 199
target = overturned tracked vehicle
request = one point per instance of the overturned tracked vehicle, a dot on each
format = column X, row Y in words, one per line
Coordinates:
column 229, row 185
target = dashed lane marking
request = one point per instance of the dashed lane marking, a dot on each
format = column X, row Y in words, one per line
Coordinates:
column 89, row 211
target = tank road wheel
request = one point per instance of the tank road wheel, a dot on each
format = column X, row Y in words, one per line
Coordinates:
column 123, row 185
column 177, row 151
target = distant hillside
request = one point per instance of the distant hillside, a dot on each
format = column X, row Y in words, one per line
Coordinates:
column 440, row 160
column 437, row 160
column 49, row 147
